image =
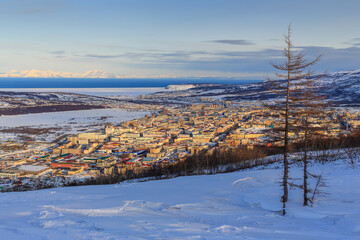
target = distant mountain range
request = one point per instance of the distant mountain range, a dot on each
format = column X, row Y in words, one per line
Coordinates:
column 34, row 73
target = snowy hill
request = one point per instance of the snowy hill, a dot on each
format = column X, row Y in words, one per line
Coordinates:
column 341, row 89
column 180, row 86
column 238, row 205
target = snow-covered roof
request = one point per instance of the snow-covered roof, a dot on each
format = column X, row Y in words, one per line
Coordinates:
column 32, row 168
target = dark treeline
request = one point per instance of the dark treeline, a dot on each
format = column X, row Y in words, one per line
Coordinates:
column 316, row 144
column 207, row 162
column 213, row 161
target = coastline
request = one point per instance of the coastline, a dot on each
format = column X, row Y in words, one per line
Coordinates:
column 107, row 91
column 49, row 120
column 46, row 109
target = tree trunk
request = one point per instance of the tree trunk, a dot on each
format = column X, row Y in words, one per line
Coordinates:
column 286, row 137
column 305, row 170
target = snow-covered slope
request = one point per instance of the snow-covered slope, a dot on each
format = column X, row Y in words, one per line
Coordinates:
column 239, row 205
column 180, row 86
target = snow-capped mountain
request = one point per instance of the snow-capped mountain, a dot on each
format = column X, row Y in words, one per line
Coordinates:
column 34, row 73
column 340, row 89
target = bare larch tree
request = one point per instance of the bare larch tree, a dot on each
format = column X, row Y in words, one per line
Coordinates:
column 309, row 111
column 292, row 69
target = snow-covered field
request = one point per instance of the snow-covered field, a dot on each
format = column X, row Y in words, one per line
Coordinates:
column 239, row 205
column 59, row 123
column 67, row 122
column 180, row 87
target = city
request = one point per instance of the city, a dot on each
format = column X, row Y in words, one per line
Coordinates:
column 165, row 137
column 179, row 120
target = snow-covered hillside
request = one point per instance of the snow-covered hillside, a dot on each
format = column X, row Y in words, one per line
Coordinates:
column 340, row 89
column 239, row 205
column 180, row 87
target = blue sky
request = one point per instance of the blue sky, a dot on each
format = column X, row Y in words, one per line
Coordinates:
column 223, row 38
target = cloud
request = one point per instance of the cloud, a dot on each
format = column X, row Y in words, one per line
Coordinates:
column 231, row 62
column 233, row 42
column 356, row 41
column 103, row 56
column 353, row 41
column 150, row 54
column 210, row 61
column 109, row 46
column 57, row 52
column 335, row 59
column 274, row 39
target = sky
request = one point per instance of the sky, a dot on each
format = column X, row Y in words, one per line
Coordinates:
column 187, row 38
